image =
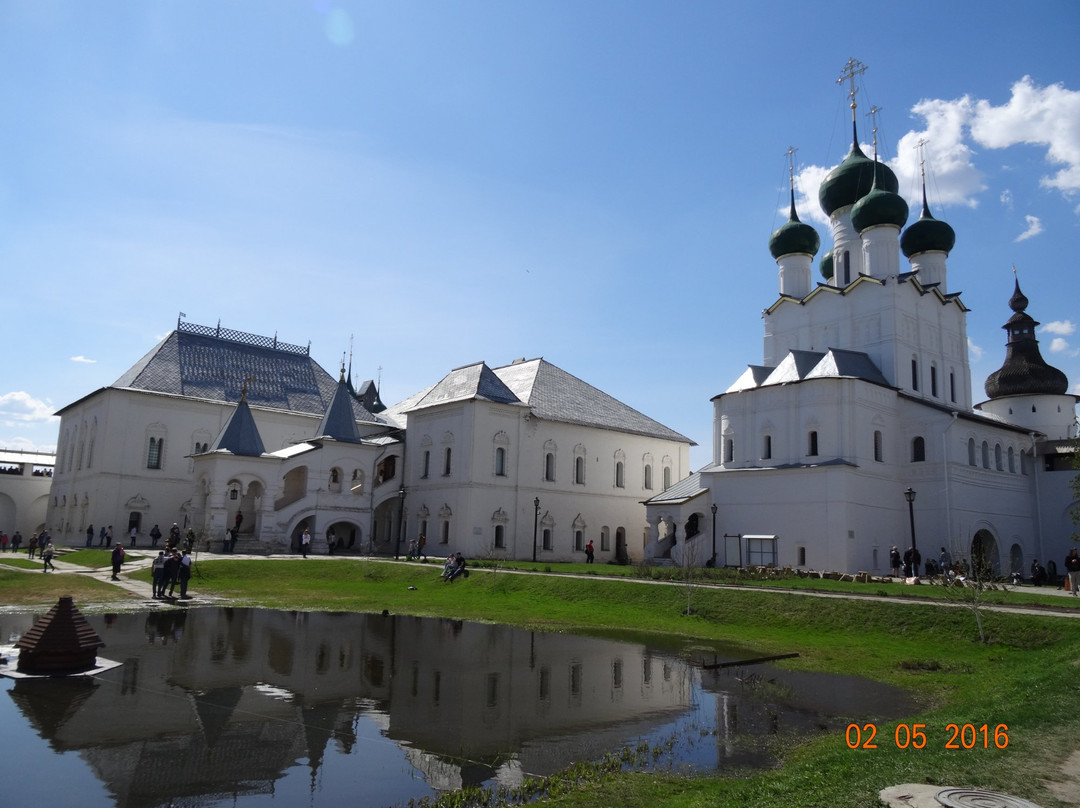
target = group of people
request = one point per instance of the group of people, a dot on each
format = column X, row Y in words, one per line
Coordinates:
column 170, row 570
column 417, row 548
column 15, row 541
column 453, row 567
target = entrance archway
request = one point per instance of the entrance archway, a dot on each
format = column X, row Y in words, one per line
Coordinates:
column 984, row 553
column 1016, row 559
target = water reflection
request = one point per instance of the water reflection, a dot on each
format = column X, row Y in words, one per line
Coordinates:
column 214, row 705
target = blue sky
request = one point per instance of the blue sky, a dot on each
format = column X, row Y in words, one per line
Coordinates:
column 444, row 182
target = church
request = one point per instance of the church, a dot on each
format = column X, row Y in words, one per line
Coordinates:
column 857, row 431
column 219, row 430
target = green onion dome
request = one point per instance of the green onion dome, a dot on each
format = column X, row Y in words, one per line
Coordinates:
column 879, row 207
column 927, row 235
column 853, row 179
column 826, row 266
column 794, row 236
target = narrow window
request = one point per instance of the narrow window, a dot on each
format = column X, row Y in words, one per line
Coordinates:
column 933, row 380
column 766, row 447
column 878, row 453
column 579, row 540
column 500, row 536
column 426, row 464
column 971, row 451
column 811, row 447
column 648, row 478
column 444, row 533
column 500, row 462
column 447, row 463
column 985, row 455
column 729, row 450
column 547, row 538
column 549, row 467
column 1012, row 461
column 915, row 374
column 579, row 470
column 619, row 483
column 998, row 464
column 918, row 450
column 801, row 557
column 952, row 386
column 667, row 477
column 153, row 455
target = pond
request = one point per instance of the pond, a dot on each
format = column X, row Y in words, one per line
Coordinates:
column 215, row 707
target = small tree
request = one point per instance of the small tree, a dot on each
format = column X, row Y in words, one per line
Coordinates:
column 970, row 591
column 689, row 556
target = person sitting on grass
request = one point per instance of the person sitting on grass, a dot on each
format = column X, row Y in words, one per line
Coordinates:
column 459, row 567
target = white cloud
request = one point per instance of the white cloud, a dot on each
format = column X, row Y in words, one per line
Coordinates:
column 1007, row 198
column 21, row 444
column 1063, row 327
column 1038, row 116
column 951, row 173
column 83, row 359
column 974, row 350
column 20, row 408
column 1059, row 344
column 1034, row 227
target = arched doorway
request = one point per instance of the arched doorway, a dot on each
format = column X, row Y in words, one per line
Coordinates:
column 1016, row 559
column 621, row 555
column 984, row 553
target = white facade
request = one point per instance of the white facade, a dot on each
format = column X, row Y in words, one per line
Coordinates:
column 863, row 392
column 142, row 453
column 25, row 478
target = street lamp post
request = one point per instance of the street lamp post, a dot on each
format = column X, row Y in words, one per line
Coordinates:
column 536, row 519
column 400, row 521
column 909, row 495
column 713, row 509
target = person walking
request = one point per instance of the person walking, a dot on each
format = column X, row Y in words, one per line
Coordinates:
column 157, row 574
column 101, row 536
column 32, row 547
column 590, row 553
column 155, row 534
column 133, row 535
column 117, row 560
column 108, row 536
column 1072, row 570
column 305, row 542
column 894, row 561
column 90, row 536
column 47, row 557
column 16, row 542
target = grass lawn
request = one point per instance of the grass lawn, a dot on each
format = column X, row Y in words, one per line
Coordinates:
column 1025, row 678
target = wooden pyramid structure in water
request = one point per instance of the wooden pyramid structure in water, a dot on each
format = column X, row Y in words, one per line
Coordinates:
column 60, row 643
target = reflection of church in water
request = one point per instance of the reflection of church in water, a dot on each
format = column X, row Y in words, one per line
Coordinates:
column 227, row 701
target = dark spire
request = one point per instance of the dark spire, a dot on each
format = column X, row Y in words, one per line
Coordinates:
column 240, row 435
column 339, row 422
column 1024, row 372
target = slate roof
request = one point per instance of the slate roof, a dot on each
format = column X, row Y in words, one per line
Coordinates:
column 682, row 491
column 800, row 365
column 240, row 435
column 471, row 382
column 555, row 395
column 550, row 392
column 214, row 369
column 339, row 422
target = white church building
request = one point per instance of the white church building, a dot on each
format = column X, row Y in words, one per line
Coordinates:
column 863, row 399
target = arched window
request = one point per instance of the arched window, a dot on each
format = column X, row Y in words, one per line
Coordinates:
column 918, row 450
column 447, row 461
column 971, row 451
column 667, row 477
column 549, row 467
column 648, row 477
column 500, row 462
column 425, row 464
column 500, row 536
column 1012, row 461
column 547, row 538
column 998, row 461
column 985, row 455
column 619, row 483
column 729, row 450
column 579, row 470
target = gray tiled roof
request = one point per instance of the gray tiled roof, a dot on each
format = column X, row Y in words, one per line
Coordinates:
column 681, row 491
column 555, row 395
column 339, row 422
column 800, row 365
column 214, row 368
column 465, row 383
column 240, row 435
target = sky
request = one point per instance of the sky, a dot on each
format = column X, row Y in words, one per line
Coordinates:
column 431, row 184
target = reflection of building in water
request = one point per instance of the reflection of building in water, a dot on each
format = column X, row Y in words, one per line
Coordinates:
column 215, row 701
column 230, row 701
